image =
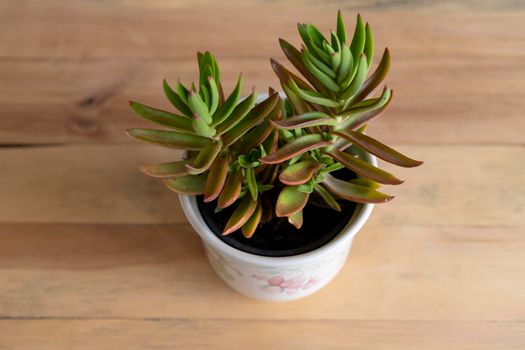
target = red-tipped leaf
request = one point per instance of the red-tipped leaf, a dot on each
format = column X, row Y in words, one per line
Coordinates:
column 170, row 138
column 248, row 229
column 352, row 192
column 204, row 159
column 296, row 147
column 231, row 189
column 304, row 120
column 241, row 214
column 190, row 184
column 216, row 177
column 290, row 201
column 169, row 169
column 299, row 173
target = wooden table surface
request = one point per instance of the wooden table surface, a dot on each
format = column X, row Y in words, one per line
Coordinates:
column 94, row 255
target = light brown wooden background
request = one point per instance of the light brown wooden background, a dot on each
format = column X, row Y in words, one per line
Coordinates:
column 93, row 255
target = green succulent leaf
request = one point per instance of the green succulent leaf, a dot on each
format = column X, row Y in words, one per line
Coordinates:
column 296, row 219
column 190, row 184
column 346, row 64
column 327, row 197
column 369, row 44
column 240, row 216
column 364, row 169
column 228, row 106
column 252, row 183
column 249, row 228
column 299, row 173
column 358, row 41
column 285, row 75
column 290, row 201
column 325, row 79
column 358, row 115
column 238, row 114
column 205, row 158
column 311, row 96
column 176, row 100
column 183, row 92
column 258, row 113
column 198, row 107
column 216, row 177
column 341, row 29
column 376, row 78
column 353, row 192
column 305, row 120
column 256, row 136
column 360, row 181
column 299, row 105
column 173, row 121
column 170, row 138
column 295, row 148
column 357, row 81
column 170, row 169
column 201, row 127
column 323, row 67
column 214, row 95
column 379, row 149
column 231, row 190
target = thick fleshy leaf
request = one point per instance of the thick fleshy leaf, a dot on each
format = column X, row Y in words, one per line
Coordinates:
column 231, row 189
column 256, row 136
column 240, row 111
column 346, row 64
column 227, row 107
column 360, row 115
column 354, row 193
column 358, row 41
column 285, row 75
column 258, row 113
column 311, row 96
column 376, row 78
column 357, row 82
column 324, row 78
column 327, row 197
column 296, row 219
column 299, row 173
column 170, row 169
column 201, row 127
column 216, row 177
column 299, row 105
column 176, row 122
column 176, row 100
column 214, row 94
column 294, row 56
column 296, row 147
column 364, row 169
column 198, row 107
column 369, row 45
column 170, row 138
column 251, row 182
column 190, row 184
column 365, row 183
column 379, row 149
column 323, row 67
column 241, row 214
column 304, row 120
column 204, row 159
column 341, row 29
column 290, row 201
column 248, row 229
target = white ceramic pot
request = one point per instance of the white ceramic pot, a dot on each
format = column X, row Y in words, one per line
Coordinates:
column 277, row 278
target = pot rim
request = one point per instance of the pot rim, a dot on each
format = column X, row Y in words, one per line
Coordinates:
column 356, row 222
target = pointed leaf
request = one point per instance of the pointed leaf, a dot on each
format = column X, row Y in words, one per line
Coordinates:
column 198, row 107
column 227, row 107
column 216, row 177
column 252, row 183
column 290, row 201
column 285, row 75
column 241, row 214
column 176, row 100
column 173, row 121
column 295, row 148
column 296, row 219
column 190, row 184
column 379, row 149
column 312, row 97
column 376, row 78
column 299, row 105
column 256, row 136
column 332, row 203
column 237, row 114
column 354, row 193
column 248, row 229
column 346, row 64
column 325, row 79
column 304, row 120
column 170, row 138
column 326, row 69
column 369, row 45
column 341, row 29
column 258, row 113
column 299, row 173
column 360, row 181
column 205, row 158
column 364, row 169
column 231, row 190
column 360, row 115
column 170, row 169
column 357, row 82
column 358, row 41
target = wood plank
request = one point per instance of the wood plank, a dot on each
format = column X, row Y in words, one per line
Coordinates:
column 100, row 184
column 255, row 334
column 84, row 62
column 395, row 272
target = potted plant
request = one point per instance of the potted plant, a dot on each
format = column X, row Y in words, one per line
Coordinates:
column 278, row 186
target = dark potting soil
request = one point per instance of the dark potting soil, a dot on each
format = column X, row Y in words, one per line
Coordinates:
column 278, row 237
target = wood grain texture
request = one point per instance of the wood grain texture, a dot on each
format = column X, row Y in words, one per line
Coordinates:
column 95, row 255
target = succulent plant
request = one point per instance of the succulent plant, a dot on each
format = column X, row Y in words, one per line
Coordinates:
column 224, row 139
column 326, row 116
column 270, row 159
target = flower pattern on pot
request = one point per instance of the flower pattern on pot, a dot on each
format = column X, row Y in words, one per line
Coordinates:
column 289, row 285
